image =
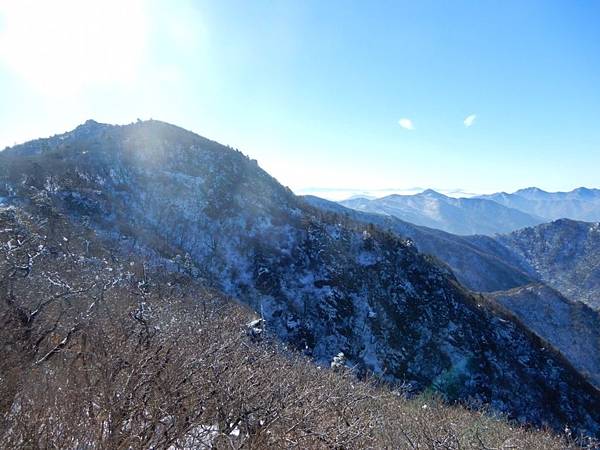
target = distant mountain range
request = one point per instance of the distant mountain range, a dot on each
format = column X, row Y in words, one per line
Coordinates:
column 454, row 215
column 338, row 194
column 486, row 214
column 579, row 204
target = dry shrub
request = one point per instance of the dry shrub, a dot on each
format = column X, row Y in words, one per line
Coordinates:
column 99, row 353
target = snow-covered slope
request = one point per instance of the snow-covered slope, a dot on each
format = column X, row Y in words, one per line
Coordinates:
column 324, row 282
column 571, row 327
column 462, row 216
column 491, row 265
column 564, row 254
column 479, row 262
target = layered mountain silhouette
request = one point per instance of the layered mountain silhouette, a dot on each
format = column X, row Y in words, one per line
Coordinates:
column 455, row 215
column 476, row 215
column 579, row 204
column 547, row 275
column 479, row 262
column 324, row 282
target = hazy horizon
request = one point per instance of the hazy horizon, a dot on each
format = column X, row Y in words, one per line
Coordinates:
column 339, row 193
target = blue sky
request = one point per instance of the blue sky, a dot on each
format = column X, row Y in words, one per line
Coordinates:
column 317, row 91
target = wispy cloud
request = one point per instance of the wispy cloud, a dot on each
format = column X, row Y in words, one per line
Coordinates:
column 470, row 120
column 407, row 124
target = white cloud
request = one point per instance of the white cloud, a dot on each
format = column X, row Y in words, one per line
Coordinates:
column 470, row 120
column 407, row 124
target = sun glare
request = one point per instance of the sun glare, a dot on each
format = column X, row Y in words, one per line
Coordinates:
column 64, row 46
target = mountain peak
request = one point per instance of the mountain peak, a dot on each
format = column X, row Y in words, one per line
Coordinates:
column 432, row 193
column 531, row 190
column 90, row 127
column 91, row 124
column 585, row 192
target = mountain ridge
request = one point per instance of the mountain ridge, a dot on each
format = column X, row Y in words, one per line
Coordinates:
column 564, row 253
column 581, row 203
column 463, row 216
column 473, row 215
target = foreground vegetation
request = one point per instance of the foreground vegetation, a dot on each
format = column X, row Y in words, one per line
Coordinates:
column 100, row 351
